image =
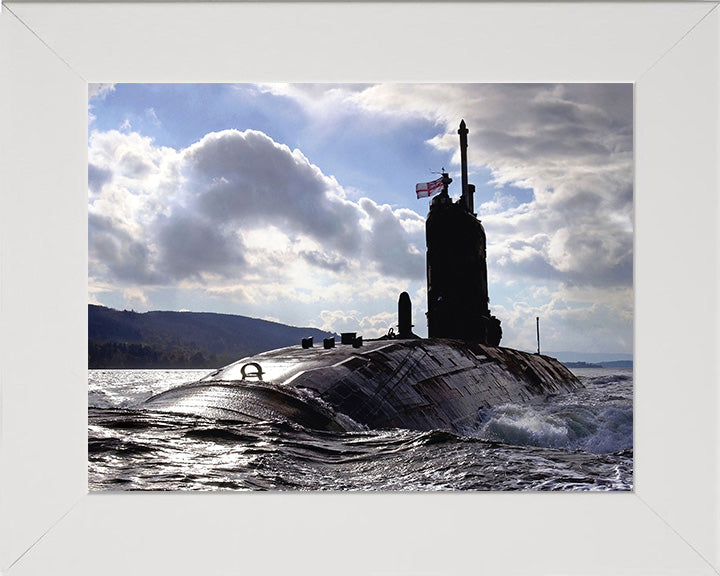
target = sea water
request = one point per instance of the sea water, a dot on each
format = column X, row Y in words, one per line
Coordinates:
column 577, row 441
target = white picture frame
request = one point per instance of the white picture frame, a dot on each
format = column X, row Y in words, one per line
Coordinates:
column 49, row 524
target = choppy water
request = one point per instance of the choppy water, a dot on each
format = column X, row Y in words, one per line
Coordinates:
column 578, row 441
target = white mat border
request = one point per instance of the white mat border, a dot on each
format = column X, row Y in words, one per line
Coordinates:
column 49, row 52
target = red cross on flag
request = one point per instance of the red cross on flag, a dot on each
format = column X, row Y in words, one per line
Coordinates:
column 428, row 188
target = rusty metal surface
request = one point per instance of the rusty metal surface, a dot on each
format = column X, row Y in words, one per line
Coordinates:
column 419, row 384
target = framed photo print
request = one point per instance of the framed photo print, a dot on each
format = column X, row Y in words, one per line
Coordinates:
column 592, row 128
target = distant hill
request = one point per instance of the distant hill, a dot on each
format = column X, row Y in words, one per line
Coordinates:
column 617, row 364
column 127, row 339
column 581, row 365
column 600, row 358
column 614, row 364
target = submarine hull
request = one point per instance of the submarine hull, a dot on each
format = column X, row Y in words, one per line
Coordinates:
column 417, row 384
column 441, row 382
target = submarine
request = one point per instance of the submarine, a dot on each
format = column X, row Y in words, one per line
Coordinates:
column 442, row 382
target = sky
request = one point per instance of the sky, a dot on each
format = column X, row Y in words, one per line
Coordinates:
column 296, row 202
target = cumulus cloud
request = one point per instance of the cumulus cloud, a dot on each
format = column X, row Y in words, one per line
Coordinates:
column 356, row 321
column 240, row 214
column 323, row 102
column 248, row 178
column 572, row 319
column 98, row 90
column 387, row 241
column 570, row 144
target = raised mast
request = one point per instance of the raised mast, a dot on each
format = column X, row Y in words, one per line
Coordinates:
column 467, row 193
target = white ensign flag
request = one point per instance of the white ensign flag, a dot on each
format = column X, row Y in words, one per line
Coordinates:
column 428, row 188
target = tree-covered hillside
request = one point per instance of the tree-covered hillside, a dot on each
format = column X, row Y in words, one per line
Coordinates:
column 127, row 339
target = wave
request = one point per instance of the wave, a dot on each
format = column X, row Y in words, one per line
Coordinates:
column 597, row 429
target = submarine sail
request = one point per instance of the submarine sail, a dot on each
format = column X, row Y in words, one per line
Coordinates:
column 457, row 284
column 401, row 380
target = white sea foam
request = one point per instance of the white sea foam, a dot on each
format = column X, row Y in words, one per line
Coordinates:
column 598, row 419
column 129, row 388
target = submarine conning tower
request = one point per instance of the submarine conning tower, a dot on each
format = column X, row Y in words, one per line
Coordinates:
column 457, row 287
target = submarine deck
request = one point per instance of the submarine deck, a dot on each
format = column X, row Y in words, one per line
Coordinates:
column 418, row 384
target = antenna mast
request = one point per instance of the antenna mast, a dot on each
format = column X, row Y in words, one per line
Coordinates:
column 466, row 193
